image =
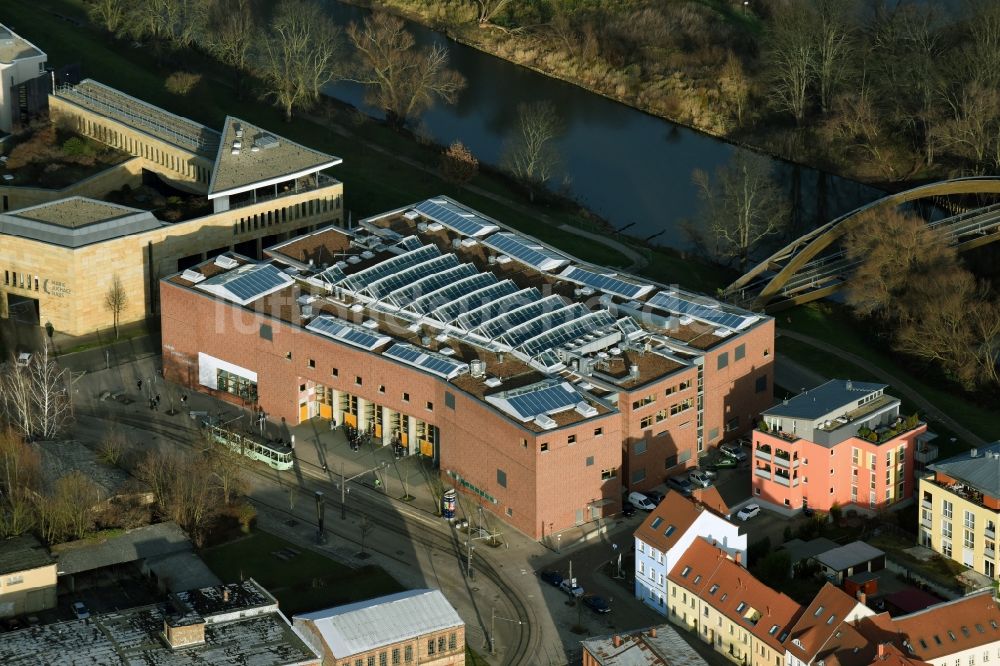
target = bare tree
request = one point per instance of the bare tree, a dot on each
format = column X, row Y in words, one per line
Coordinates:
column 458, row 164
column 735, row 86
column 231, row 34
column 116, row 300
column 109, row 14
column 186, row 490
column 20, row 471
column 530, row 154
column 402, row 80
column 974, row 125
column 790, row 56
column 833, row 29
column 176, row 22
column 75, row 498
column 299, row 55
column 227, row 470
column 36, row 398
column 743, row 206
column 114, row 447
column 489, row 10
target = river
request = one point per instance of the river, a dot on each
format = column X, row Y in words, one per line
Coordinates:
column 629, row 167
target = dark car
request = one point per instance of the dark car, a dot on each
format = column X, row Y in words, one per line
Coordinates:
column 725, row 463
column 596, row 604
column 680, row 484
column 628, row 510
column 553, row 578
column 655, row 496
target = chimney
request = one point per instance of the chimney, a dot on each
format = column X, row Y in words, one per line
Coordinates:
column 652, row 632
column 616, row 640
column 225, row 595
column 183, row 631
column 881, row 651
column 863, row 598
column 738, row 557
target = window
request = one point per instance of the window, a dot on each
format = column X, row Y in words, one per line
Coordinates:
column 681, row 406
column 723, row 361
column 236, row 385
column 713, row 434
column 452, row 641
column 670, row 461
column 408, row 653
column 334, row 372
column 590, row 461
column 371, row 660
column 946, row 529
column 732, row 424
column 646, row 421
column 760, row 385
column 406, row 397
column 441, row 644
column 609, row 473
column 598, row 432
column 543, row 447
column 571, row 439
column 357, row 381
column 502, row 478
column 970, row 520
column 395, row 656
column 383, row 658
column 302, row 388
column 510, row 512
column 685, row 572
column 430, row 646
column 449, row 400
column 288, row 356
column 947, row 508
column 639, row 475
column 430, row 406
column 713, row 589
column 740, row 352
column 312, row 363
column 644, row 400
column 265, row 332
column 970, row 539
column 15, row 580
column 381, row 388
column 640, row 447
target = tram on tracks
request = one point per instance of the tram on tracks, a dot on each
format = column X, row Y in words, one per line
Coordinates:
column 273, row 454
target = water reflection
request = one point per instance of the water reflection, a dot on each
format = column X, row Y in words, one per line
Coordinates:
column 627, row 166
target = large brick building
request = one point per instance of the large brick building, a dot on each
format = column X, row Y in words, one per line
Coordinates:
column 842, row 443
column 537, row 382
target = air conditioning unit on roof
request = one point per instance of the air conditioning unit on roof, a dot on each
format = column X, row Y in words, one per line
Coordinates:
column 227, row 262
column 192, row 276
column 545, row 422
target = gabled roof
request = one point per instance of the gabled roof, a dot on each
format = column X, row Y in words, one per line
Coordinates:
column 821, row 627
column 888, row 654
column 954, row 626
column 668, row 522
column 261, row 158
column 366, row 625
column 22, row 553
column 981, row 471
column 711, row 499
column 825, row 398
column 734, row 592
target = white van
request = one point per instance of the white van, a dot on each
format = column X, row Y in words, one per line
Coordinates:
column 640, row 501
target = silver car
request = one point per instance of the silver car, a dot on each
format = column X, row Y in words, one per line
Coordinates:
column 700, row 478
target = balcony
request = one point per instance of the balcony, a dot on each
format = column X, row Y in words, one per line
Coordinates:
column 289, row 188
column 991, row 553
column 927, row 504
column 763, row 473
column 925, row 522
column 990, row 533
column 761, row 455
column 959, row 489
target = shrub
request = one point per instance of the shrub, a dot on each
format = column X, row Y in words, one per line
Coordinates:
column 181, row 83
column 77, row 147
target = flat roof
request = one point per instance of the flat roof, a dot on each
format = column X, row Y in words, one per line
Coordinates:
column 825, row 398
column 849, row 555
column 76, row 221
column 979, row 468
column 438, row 296
column 14, row 47
column 22, row 553
column 652, row 646
column 142, row 116
column 134, row 636
column 249, row 157
column 367, row 625
column 140, row 543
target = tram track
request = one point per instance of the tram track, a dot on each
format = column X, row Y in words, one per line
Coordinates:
column 427, row 532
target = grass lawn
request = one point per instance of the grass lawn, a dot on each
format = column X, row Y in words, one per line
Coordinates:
column 937, row 569
column 307, row 582
column 832, row 323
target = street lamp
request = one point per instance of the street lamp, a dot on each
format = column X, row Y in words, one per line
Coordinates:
column 493, row 622
column 344, row 489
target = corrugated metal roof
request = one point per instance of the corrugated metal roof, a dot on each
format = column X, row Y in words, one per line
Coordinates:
column 367, row 625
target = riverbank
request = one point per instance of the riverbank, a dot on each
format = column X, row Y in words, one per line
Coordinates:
column 679, row 98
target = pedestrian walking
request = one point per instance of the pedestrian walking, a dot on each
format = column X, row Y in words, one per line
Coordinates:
column 138, row 384
column 157, row 398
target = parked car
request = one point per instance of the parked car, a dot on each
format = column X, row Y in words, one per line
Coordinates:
column 596, row 604
column 654, row 496
column 80, row 610
column 748, row 512
column 570, row 588
column 733, row 451
column 553, row 578
column 640, row 501
column 700, row 478
column 628, row 510
column 680, row 484
column 24, row 359
column 725, row 463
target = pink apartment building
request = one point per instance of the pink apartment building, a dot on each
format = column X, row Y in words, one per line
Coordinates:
column 842, row 443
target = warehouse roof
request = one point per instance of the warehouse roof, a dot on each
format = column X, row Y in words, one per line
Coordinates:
column 367, row 625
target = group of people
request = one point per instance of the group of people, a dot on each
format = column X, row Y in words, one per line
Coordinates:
column 154, row 400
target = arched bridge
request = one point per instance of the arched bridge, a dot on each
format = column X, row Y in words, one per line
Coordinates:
column 813, row 267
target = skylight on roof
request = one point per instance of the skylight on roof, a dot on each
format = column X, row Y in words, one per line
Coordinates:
column 656, row 522
column 712, row 589
column 951, row 635
column 741, row 606
column 819, row 611
column 670, row 530
column 686, row 571
column 979, row 628
column 937, row 640
column 697, row 579
column 723, row 597
column 966, row 632
column 993, row 623
column 923, row 643
column 773, row 630
column 830, row 619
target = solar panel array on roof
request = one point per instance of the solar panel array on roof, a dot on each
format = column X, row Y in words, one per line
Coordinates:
column 605, row 283
column 449, row 312
column 457, row 219
column 569, row 331
column 550, row 396
column 246, row 283
column 441, row 366
column 448, row 293
column 409, row 243
column 543, row 322
column 506, row 321
column 345, row 331
column 362, row 279
column 526, row 251
column 332, row 275
column 473, row 318
column 391, row 283
column 406, row 294
column 677, row 304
